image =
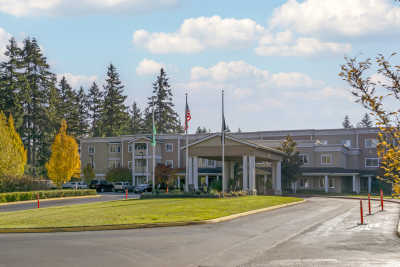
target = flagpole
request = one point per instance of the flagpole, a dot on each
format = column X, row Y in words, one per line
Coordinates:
column 223, row 146
column 154, row 153
column 187, row 150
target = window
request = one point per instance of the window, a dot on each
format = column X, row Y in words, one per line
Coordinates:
column 114, row 163
column 91, row 161
column 322, row 182
column 331, row 182
column 115, row 148
column 304, row 158
column 169, row 147
column 91, row 149
column 130, row 148
column 130, row 165
column 371, row 162
column 321, row 142
column 140, row 146
column 169, row 163
column 326, row 159
column 370, row 143
column 211, row 163
column 346, row 143
column 140, row 163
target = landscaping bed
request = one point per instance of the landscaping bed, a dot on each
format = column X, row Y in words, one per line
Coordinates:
column 32, row 195
column 139, row 212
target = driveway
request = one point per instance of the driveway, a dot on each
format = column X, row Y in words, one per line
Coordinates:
column 62, row 202
column 320, row 232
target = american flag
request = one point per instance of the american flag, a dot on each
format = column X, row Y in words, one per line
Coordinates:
column 188, row 117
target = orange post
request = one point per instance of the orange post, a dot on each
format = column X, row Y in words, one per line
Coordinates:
column 369, row 204
column 126, row 193
column 381, row 200
column 38, row 201
column 361, row 212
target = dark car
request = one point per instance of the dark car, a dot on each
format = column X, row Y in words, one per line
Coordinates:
column 101, row 186
column 143, row 188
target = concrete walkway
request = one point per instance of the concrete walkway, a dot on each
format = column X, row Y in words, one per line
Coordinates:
column 320, row 232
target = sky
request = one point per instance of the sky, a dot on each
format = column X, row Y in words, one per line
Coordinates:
column 277, row 61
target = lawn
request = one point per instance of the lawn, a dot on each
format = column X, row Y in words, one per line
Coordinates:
column 138, row 211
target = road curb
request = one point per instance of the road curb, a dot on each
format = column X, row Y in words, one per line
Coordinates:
column 142, row 226
column 47, row 199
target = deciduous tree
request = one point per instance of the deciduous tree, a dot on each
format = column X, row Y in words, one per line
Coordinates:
column 291, row 163
column 64, row 160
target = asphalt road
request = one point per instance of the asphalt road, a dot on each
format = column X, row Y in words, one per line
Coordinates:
column 62, row 202
column 320, row 232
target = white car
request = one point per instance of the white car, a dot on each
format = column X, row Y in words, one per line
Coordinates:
column 120, row 186
column 75, row 185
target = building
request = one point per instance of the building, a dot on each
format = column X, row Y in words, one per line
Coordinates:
column 335, row 160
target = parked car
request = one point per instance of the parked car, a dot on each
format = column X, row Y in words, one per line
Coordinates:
column 121, row 186
column 75, row 185
column 70, row 185
column 102, row 186
column 82, row 185
column 93, row 184
column 143, row 188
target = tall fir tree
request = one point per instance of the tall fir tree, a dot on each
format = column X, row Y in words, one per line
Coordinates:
column 166, row 118
column 115, row 116
column 95, row 103
column 136, row 120
column 82, row 104
column 10, row 76
column 69, row 107
column 366, row 121
column 346, row 122
column 36, row 82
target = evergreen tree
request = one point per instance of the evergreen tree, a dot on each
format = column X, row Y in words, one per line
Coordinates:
column 366, row 121
column 166, row 118
column 69, row 107
column 346, row 122
column 10, row 82
column 291, row 162
column 36, row 81
column 95, row 107
column 136, row 120
column 201, row 130
column 114, row 114
column 82, row 104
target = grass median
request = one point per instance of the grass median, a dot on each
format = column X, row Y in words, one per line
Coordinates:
column 151, row 211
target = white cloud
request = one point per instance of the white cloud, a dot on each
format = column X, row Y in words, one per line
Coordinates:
column 4, row 38
column 344, row 17
column 148, row 67
column 77, row 80
column 283, row 44
column 79, row 7
column 197, row 34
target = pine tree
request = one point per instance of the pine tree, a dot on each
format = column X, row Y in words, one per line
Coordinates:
column 13, row 154
column 65, row 160
column 201, row 130
column 69, row 106
column 10, row 82
column 82, row 104
column 366, row 121
column 291, row 162
column 114, row 114
column 95, row 107
column 36, row 81
column 136, row 120
column 166, row 118
column 346, row 122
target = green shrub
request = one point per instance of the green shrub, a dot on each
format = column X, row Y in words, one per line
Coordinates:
column 22, row 196
column 119, row 175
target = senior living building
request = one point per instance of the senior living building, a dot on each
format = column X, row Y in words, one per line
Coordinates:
column 334, row 160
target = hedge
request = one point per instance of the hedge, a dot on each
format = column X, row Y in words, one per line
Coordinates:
column 23, row 196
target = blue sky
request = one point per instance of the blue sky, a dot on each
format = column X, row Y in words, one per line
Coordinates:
column 278, row 61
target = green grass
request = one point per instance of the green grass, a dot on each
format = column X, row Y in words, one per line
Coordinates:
column 137, row 211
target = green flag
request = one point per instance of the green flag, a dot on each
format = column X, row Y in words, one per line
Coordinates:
column 153, row 143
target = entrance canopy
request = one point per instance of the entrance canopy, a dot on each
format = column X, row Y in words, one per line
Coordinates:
column 210, row 147
column 238, row 152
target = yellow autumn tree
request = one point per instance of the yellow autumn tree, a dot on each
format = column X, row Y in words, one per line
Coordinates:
column 13, row 155
column 64, row 161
